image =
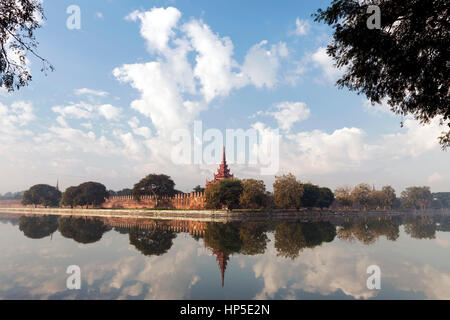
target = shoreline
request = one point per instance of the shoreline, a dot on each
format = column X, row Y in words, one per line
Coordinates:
column 205, row 215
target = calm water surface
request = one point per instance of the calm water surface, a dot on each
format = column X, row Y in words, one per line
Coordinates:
column 284, row 259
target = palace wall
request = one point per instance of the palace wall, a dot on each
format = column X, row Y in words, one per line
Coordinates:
column 11, row 203
column 193, row 200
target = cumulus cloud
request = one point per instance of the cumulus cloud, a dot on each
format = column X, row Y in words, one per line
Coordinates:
column 109, row 112
column 78, row 111
column 156, row 25
column 289, row 113
column 175, row 89
column 302, row 27
column 14, row 118
column 322, row 60
column 262, row 65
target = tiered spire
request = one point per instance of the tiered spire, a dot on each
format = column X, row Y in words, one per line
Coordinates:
column 223, row 172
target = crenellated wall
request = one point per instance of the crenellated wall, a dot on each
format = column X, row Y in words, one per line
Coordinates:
column 193, row 200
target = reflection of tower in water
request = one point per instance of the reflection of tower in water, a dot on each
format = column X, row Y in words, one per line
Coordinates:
column 222, row 259
column 194, row 228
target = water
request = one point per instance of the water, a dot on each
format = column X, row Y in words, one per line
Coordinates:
column 174, row 259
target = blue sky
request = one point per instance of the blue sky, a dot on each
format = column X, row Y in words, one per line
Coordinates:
column 262, row 63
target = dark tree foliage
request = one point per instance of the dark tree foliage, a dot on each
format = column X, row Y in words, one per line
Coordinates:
column 326, row 198
column 443, row 198
column 38, row 227
column 224, row 193
column 42, row 194
column 253, row 238
column 86, row 194
column 82, row 230
column 70, row 196
column 158, row 185
column 123, row 192
column 311, row 194
column 18, row 21
column 405, row 61
column 155, row 242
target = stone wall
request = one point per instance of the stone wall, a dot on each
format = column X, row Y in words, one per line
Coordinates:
column 193, row 200
column 11, row 203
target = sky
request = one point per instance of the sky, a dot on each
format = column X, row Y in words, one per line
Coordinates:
column 135, row 72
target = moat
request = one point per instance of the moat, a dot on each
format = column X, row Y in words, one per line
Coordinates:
column 290, row 258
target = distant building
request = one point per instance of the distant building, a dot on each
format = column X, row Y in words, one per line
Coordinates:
column 223, row 172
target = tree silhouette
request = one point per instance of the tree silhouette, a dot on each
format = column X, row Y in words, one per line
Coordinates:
column 405, row 60
column 18, row 21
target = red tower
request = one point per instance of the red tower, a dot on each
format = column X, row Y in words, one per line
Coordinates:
column 223, row 172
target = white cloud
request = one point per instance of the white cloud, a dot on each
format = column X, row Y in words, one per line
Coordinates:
column 289, row 113
column 378, row 108
column 302, row 27
column 214, row 63
column 109, row 112
column 156, row 26
column 77, row 111
column 321, row 59
column 262, row 65
column 14, row 118
column 91, row 92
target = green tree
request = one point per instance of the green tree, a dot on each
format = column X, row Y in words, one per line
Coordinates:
column 343, row 196
column 42, row 194
column 253, row 194
column 70, row 196
column 389, row 196
column 377, row 199
column 223, row 193
column 405, row 60
column 326, row 198
column 157, row 185
column 417, row 197
column 18, row 21
column 311, row 195
column 361, row 194
column 152, row 242
column 90, row 194
column 287, row 192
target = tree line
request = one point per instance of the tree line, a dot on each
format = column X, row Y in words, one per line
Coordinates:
column 250, row 194
column 363, row 196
